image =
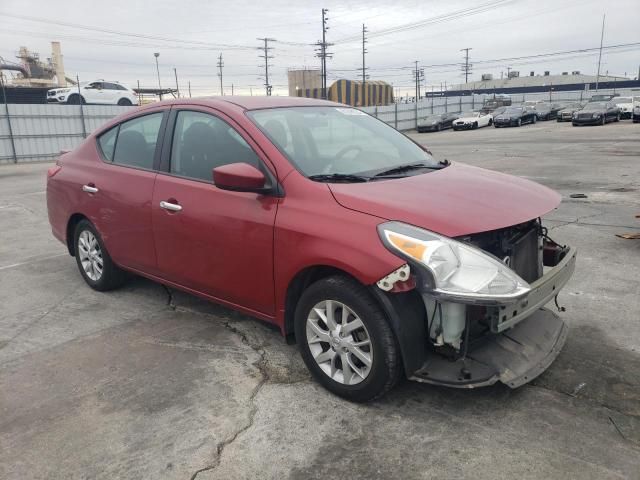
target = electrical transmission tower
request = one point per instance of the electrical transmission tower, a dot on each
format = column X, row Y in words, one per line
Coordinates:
column 322, row 52
column 220, row 64
column 418, row 76
column 466, row 66
column 266, row 56
column 364, row 68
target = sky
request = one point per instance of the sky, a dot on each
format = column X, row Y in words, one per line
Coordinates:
column 117, row 42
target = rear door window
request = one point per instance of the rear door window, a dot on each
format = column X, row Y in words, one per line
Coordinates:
column 136, row 141
column 107, row 143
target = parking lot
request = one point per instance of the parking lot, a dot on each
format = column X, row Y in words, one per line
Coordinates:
column 138, row 383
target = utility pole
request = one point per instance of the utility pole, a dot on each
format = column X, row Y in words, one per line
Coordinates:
column 508, row 73
column 189, row 88
column 232, row 89
column 175, row 72
column 466, row 68
column 322, row 52
column 220, row 64
column 600, row 54
column 158, row 72
column 418, row 76
column 266, row 56
column 364, row 68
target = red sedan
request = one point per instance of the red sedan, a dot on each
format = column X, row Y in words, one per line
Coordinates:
column 376, row 258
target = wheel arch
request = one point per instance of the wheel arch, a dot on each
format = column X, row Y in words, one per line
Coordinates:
column 405, row 313
column 71, row 227
column 297, row 286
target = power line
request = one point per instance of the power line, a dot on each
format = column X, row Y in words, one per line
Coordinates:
column 220, row 64
column 466, row 67
column 266, row 57
column 432, row 20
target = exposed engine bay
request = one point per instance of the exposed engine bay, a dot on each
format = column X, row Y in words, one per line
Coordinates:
column 525, row 248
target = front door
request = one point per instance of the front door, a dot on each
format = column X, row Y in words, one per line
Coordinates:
column 213, row 241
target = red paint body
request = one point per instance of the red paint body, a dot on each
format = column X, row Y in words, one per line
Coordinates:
column 244, row 249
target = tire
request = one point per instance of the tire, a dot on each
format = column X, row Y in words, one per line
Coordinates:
column 75, row 99
column 111, row 276
column 475, row 125
column 574, row 124
column 385, row 368
column 439, row 128
column 604, row 120
column 617, row 118
column 534, row 119
column 125, row 102
column 490, row 122
column 519, row 123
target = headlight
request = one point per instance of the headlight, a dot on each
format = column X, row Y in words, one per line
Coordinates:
column 454, row 268
column 596, row 115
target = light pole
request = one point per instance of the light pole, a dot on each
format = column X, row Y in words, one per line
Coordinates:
column 158, row 71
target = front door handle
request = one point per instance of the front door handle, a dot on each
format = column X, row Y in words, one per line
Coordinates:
column 89, row 188
column 172, row 207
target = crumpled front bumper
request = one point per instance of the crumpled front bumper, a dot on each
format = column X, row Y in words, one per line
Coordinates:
column 514, row 358
column 524, row 340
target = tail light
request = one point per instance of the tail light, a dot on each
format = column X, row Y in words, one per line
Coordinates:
column 51, row 172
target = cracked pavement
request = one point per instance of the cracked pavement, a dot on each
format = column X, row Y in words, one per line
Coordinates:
column 137, row 383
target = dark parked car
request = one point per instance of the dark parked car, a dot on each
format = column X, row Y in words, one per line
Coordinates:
column 491, row 105
column 596, row 113
column 377, row 259
column 436, row 122
column 514, row 117
column 636, row 114
column 566, row 113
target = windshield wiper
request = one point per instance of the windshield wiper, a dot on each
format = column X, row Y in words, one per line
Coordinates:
column 405, row 168
column 339, row 177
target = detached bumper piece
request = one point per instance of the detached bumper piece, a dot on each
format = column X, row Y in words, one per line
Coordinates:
column 514, row 357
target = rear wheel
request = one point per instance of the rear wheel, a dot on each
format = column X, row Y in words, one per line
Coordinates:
column 124, row 102
column 94, row 262
column 345, row 340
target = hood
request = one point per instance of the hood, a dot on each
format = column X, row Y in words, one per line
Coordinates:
column 466, row 119
column 456, row 200
column 591, row 110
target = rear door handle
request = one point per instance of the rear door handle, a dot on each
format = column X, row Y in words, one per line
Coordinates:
column 172, row 207
column 89, row 188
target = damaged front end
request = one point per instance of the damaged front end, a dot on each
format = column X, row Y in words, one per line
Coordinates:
column 482, row 299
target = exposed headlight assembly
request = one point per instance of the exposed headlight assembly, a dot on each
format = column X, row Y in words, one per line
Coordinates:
column 596, row 115
column 451, row 268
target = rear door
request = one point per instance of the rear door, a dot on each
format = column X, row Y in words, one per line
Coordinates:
column 121, row 189
column 209, row 240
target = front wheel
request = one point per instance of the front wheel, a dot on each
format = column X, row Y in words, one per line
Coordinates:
column 604, row 120
column 519, row 123
column 94, row 262
column 534, row 119
column 346, row 341
column 618, row 118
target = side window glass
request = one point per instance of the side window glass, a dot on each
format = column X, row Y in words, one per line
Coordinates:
column 136, row 142
column 107, row 143
column 202, row 142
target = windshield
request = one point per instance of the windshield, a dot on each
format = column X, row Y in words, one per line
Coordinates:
column 515, row 110
column 338, row 141
column 470, row 114
column 619, row 100
column 599, row 105
column 433, row 117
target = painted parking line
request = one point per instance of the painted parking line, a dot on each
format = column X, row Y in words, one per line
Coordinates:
column 34, row 260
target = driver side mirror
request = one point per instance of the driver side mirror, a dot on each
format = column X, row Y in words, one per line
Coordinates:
column 239, row 177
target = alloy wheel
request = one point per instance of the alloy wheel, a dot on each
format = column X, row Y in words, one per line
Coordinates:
column 90, row 255
column 339, row 342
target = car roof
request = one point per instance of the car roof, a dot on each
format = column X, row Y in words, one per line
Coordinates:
column 253, row 103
